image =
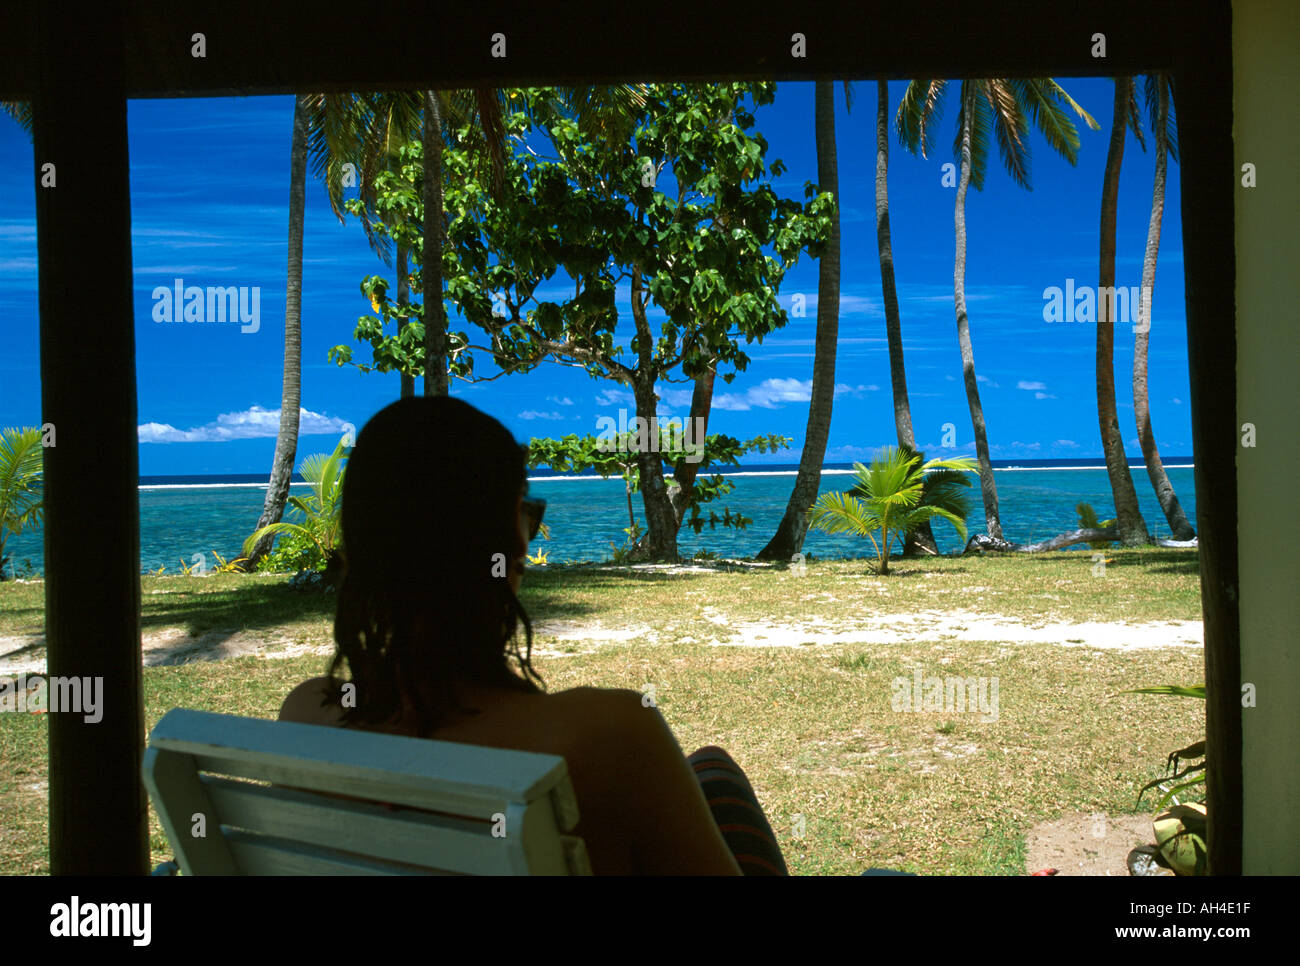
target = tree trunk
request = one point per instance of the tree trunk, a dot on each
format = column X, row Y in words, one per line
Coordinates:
column 436, row 381
column 286, row 442
column 988, row 488
column 789, row 536
column 922, row 539
column 660, row 539
column 403, row 299
column 1173, row 510
column 1128, row 518
column 683, row 483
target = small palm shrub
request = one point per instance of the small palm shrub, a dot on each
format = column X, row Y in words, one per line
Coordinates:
column 311, row 542
column 886, row 503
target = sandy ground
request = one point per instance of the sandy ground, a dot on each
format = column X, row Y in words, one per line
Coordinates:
column 1087, row 844
column 174, row 646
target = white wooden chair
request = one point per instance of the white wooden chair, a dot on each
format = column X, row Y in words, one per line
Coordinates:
column 264, row 792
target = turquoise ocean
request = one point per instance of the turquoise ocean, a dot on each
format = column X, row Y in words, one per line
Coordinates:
column 180, row 518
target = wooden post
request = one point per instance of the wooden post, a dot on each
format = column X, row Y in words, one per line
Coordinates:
column 1204, row 98
column 92, row 537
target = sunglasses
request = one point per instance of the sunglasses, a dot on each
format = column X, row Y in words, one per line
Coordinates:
column 534, row 508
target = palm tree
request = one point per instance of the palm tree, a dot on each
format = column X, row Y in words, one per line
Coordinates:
column 941, row 487
column 1158, row 94
column 789, row 536
column 1002, row 108
column 286, row 441
column 21, row 465
column 922, row 538
column 1132, row 528
column 887, row 499
column 322, row 521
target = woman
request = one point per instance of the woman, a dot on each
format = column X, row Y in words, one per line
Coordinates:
column 436, row 527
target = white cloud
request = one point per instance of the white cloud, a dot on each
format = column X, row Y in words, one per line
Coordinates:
column 844, row 389
column 1067, row 443
column 534, row 414
column 615, row 397
column 1043, row 395
column 986, row 379
column 671, row 398
column 1176, row 401
column 560, row 400
column 766, row 395
column 1022, row 384
column 252, row 423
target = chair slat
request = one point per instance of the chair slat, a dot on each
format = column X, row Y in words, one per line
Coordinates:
column 415, row 837
column 264, row 855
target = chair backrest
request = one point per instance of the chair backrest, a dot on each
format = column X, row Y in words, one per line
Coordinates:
column 246, row 796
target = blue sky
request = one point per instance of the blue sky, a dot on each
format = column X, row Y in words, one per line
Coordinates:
column 209, row 200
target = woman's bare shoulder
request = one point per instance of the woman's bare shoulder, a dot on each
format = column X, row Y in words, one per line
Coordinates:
column 305, row 704
column 600, row 706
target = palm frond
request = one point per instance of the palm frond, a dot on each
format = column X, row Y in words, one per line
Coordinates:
column 20, row 111
column 1040, row 100
column 1009, row 127
column 919, row 113
column 1160, row 114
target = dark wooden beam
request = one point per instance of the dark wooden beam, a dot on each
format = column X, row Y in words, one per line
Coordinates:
column 98, row 818
column 254, row 47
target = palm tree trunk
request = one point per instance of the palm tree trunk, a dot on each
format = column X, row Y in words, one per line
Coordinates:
column 1173, row 510
column 286, row 442
column 1128, row 518
column 988, row 488
column 403, row 299
column 922, row 537
column 435, row 314
column 789, row 537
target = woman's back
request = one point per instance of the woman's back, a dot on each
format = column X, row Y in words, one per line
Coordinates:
column 641, row 809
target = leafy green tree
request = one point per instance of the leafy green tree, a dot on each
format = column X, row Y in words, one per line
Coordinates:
column 21, row 472
column 695, row 250
column 399, row 131
column 890, row 503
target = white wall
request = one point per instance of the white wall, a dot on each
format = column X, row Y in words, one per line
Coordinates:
column 1266, row 132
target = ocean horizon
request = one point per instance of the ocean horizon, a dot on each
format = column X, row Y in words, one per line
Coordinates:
column 192, row 519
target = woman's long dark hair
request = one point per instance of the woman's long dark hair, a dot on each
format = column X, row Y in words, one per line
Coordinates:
column 429, row 533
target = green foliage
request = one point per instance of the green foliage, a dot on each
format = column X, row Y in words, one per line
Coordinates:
column 1176, row 782
column 21, row 491
column 887, row 501
column 310, row 543
column 609, row 455
column 1088, row 521
column 597, row 211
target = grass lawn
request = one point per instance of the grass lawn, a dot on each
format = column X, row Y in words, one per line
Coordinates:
column 847, row 781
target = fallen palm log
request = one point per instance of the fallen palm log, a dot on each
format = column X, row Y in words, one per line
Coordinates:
column 982, row 542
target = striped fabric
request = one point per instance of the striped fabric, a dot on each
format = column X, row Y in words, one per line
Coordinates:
column 739, row 816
